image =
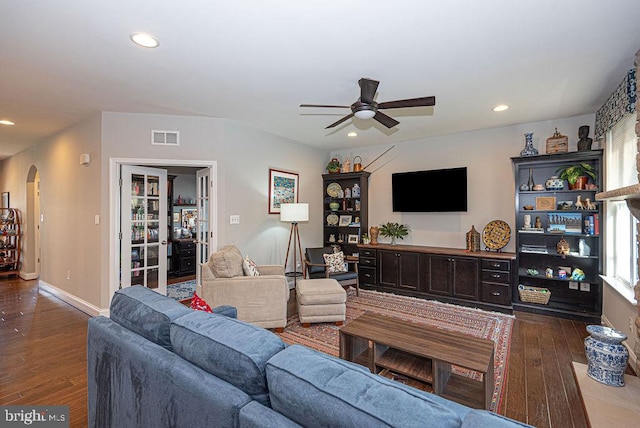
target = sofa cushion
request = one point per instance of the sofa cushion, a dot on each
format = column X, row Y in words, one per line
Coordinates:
column 226, row 262
column 146, row 313
column 315, row 389
column 228, row 348
column 335, row 262
column 484, row 418
column 250, row 267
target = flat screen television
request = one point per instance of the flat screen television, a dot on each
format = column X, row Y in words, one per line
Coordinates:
column 436, row 190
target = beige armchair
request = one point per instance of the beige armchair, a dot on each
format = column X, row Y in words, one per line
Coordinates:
column 260, row 300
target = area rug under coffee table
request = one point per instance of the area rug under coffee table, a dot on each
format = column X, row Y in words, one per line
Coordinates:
column 495, row 326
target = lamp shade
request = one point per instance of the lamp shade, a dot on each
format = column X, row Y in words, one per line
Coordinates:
column 294, row 212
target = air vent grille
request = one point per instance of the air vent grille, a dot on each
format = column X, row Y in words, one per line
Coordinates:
column 165, row 138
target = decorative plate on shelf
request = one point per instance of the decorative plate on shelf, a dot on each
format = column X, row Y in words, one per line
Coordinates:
column 496, row 235
column 334, row 190
column 332, row 219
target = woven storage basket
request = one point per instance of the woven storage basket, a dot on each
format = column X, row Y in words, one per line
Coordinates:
column 534, row 294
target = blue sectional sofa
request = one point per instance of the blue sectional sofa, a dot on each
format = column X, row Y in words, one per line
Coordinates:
column 156, row 363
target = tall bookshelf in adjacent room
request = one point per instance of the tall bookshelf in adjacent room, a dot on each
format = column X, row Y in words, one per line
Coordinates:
column 9, row 242
column 345, row 209
column 559, row 245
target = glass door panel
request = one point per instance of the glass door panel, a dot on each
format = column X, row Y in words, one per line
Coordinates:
column 143, row 228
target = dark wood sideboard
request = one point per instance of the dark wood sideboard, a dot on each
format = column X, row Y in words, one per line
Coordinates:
column 480, row 279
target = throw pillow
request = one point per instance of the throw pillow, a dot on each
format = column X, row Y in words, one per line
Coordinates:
column 250, row 267
column 198, row 304
column 226, row 262
column 335, row 262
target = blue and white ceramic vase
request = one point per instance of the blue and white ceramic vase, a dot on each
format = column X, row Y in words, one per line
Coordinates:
column 529, row 150
column 606, row 355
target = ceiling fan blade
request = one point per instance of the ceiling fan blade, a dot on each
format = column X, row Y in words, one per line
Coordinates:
column 387, row 121
column 322, row 105
column 347, row 117
column 412, row 102
column 368, row 90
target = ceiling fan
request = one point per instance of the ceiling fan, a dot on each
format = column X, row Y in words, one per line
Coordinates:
column 367, row 108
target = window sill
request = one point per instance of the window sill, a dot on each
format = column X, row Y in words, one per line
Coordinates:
column 620, row 288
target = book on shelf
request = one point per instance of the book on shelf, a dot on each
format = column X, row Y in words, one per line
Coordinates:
column 532, row 230
column 538, row 249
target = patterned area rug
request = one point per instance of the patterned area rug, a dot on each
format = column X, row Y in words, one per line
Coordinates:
column 495, row 326
column 181, row 290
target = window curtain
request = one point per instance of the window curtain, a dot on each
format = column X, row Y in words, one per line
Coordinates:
column 621, row 102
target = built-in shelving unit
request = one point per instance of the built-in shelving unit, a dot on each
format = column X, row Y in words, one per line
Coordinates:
column 567, row 237
column 345, row 198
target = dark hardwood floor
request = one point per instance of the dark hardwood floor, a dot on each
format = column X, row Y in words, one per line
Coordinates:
column 43, row 359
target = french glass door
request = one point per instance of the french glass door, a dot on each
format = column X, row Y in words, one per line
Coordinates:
column 143, row 248
column 203, row 227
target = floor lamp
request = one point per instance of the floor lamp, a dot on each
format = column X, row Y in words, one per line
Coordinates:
column 293, row 213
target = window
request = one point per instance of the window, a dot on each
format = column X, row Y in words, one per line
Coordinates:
column 621, row 226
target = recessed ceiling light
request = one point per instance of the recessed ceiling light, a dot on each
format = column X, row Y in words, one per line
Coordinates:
column 352, row 134
column 6, row 122
column 501, row 107
column 145, row 40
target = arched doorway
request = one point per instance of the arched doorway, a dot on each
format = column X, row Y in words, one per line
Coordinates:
column 31, row 221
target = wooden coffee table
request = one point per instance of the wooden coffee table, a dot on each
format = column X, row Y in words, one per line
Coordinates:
column 422, row 353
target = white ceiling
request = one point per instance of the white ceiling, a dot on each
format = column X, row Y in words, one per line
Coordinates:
column 256, row 61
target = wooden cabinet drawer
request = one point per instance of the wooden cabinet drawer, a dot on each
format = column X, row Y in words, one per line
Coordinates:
column 496, row 264
column 496, row 293
column 189, row 245
column 495, row 276
column 191, row 252
column 366, row 261
column 367, row 275
column 188, row 264
column 367, row 252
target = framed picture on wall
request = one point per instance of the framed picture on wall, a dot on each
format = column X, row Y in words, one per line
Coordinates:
column 176, row 217
column 352, row 239
column 283, row 189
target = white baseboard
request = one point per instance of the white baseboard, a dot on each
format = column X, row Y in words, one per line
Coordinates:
column 633, row 358
column 74, row 301
column 28, row 275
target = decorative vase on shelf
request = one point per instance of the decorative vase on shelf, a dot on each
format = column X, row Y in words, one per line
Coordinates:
column 607, row 357
column 530, row 183
column 583, row 248
column 529, row 150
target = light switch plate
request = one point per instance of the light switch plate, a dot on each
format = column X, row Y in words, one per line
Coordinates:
column 234, row 219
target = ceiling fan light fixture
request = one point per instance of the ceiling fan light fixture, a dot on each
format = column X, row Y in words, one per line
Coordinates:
column 6, row 122
column 364, row 114
column 145, row 40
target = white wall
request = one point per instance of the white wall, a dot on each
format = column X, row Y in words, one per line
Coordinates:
column 491, row 188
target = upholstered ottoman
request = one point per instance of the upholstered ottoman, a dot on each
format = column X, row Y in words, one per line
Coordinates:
column 320, row 300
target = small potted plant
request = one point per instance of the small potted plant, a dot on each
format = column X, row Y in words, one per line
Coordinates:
column 365, row 239
column 394, row 231
column 577, row 175
column 333, row 167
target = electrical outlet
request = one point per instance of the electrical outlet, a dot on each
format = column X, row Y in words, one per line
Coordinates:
column 234, row 219
column 68, row 274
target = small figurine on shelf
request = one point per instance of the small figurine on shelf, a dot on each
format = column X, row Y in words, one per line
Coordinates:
column 179, row 201
column 584, row 143
column 346, row 165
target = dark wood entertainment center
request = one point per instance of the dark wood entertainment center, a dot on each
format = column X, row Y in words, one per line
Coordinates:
column 481, row 279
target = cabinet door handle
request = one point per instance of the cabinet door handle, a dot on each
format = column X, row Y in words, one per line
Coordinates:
column 495, row 265
column 496, row 275
column 495, row 293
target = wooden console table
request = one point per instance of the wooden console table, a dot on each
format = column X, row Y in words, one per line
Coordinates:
column 424, row 354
